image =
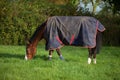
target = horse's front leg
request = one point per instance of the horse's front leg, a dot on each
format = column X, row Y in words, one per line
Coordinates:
column 60, row 54
column 50, row 54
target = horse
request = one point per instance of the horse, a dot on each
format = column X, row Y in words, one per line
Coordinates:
column 58, row 31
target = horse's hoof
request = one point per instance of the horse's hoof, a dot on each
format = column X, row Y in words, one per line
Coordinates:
column 61, row 58
column 94, row 61
column 49, row 58
column 89, row 60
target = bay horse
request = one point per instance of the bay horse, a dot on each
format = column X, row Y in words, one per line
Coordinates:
column 67, row 30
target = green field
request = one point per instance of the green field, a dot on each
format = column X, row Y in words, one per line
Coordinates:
column 74, row 67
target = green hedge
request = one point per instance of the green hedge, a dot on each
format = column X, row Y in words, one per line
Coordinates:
column 19, row 18
column 111, row 36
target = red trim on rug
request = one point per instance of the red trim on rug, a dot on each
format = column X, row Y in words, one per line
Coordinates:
column 98, row 28
column 72, row 39
column 58, row 39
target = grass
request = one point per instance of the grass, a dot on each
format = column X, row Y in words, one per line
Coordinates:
column 74, row 67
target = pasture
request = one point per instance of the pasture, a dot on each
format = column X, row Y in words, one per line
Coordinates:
column 74, row 67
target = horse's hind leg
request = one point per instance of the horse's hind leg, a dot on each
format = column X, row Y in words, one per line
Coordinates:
column 50, row 54
column 94, row 50
column 90, row 55
column 60, row 54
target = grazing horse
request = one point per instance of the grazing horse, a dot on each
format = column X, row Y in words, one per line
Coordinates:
column 58, row 31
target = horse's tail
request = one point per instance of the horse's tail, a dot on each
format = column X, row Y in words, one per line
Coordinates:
column 98, row 41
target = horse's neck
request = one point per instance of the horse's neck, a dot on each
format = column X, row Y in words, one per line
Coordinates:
column 35, row 42
column 38, row 35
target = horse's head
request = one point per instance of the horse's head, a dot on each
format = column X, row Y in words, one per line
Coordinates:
column 30, row 51
column 31, row 45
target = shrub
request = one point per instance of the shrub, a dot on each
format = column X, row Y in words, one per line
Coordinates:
column 19, row 18
column 111, row 36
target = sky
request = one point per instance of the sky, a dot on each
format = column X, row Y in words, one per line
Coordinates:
column 89, row 6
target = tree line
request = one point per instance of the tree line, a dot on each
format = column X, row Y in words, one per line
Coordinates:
column 20, row 18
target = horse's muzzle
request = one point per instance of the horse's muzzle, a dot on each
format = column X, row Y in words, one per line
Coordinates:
column 26, row 58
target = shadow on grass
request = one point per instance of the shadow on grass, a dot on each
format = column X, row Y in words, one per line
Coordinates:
column 36, row 57
column 8, row 55
column 22, row 56
column 43, row 57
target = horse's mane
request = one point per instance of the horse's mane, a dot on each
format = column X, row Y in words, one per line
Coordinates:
column 38, row 29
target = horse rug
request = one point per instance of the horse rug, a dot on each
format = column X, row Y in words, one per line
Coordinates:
column 71, row 30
